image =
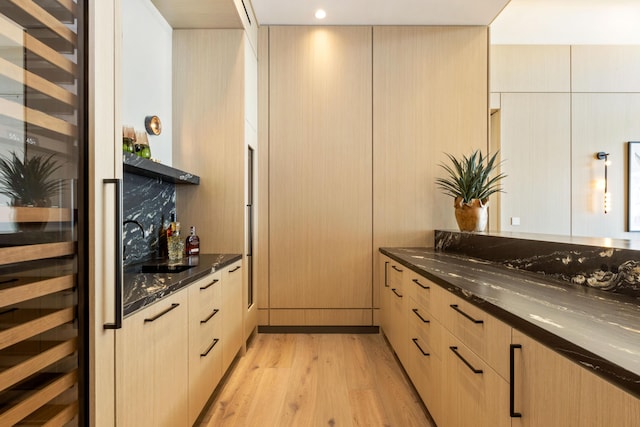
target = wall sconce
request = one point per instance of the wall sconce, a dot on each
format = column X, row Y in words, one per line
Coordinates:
column 607, row 196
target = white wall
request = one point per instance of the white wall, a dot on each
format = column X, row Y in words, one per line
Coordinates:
column 146, row 72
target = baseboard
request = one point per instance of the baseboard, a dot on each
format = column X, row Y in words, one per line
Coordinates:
column 318, row 329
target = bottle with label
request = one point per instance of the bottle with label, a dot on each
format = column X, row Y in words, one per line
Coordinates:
column 174, row 240
column 192, row 243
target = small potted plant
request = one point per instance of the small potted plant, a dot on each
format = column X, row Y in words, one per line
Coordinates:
column 28, row 184
column 470, row 181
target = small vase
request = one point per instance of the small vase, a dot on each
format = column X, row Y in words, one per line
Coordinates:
column 471, row 216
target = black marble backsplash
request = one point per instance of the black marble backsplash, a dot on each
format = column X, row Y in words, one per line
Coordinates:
column 605, row 268
column 150, row 201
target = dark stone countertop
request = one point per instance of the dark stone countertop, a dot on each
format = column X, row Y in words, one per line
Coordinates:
column 598, row 330
column 143, row 289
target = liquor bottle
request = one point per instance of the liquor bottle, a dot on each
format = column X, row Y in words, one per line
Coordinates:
column 192, row 243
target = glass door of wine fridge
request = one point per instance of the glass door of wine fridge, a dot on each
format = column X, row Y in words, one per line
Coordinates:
column 43, row 274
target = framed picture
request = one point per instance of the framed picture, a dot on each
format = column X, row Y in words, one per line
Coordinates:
column 634, row 186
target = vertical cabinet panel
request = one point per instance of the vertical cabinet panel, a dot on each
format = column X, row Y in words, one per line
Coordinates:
column 232, row 309
column 552, row 390
column 429, row 97
column 536, row 159
column 320, row 167
column 208, row 134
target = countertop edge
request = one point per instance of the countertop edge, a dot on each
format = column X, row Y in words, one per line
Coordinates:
column 605, row 369
column 180, row 283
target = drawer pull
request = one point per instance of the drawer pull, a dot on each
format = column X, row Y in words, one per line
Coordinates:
column 415, row 310
column 204, row 288
column 456, row 308
column 386, row 284
column 213, row 344
column 512, row 379
column 235, row 269
column 396, row 269
column 162, row 313
column 455, row 351
column 417, row 282
column 394, row 290
column 415, row 341
column 210, row 316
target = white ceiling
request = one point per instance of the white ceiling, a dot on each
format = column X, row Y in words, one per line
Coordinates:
column 512, row 22
column 378, row 12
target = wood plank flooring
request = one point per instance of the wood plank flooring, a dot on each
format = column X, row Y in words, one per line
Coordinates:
column 317, row 380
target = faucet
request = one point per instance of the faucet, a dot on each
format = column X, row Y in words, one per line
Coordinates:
column 131, row 221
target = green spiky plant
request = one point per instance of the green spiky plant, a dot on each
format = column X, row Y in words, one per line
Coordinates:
column 470, row 177
column 29, row 183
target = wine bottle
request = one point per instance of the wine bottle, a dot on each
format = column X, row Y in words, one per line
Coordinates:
column 192, row 243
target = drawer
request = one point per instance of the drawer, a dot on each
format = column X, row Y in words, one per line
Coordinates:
column 394, row 274
column 419, row 288
column 209, row 327
column 425, row 371
column 209, row 294
column 482, row 333
column 475, row 394
column 421, row 327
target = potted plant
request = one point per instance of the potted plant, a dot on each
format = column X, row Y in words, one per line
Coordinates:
column 29, row 184
column 470, row 181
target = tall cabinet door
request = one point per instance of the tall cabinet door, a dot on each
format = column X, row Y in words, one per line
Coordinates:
column 43, row 246
column 430, row 98
column 320, row 166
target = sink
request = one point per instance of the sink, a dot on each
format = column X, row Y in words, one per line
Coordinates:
column 164, row 268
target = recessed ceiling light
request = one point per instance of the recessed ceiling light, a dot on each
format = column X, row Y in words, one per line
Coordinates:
column 321, row 14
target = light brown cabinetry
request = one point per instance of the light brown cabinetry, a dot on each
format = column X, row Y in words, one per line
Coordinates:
column 460, row 360
column 320, row 166
column 552, row 390
column 152, row 365
column 205, row 346
column 396, row 302
column 231, row 313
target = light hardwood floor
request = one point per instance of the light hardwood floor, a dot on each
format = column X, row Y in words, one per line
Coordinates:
column 317, row 380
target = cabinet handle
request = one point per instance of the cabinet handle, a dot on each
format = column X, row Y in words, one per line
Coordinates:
column 395, row 292
column 386, row 263
column 204, row 288
column 162, row 313
column 210, row 316
column 456, row 308
column 455, row 351
column 117, row 324
column 235, row 269
column 396, row 269
column 415, row 341
column 213, row 344
column 417, row 282
column 512, row 386
column 415, row 310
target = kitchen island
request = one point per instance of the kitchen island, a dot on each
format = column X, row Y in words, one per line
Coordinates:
column 596, row 329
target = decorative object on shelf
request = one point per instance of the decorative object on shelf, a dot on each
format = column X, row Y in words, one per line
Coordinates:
column 153, row 125
column 607, row 196
column 141, row 145
column 470, row 183
column 128, row 139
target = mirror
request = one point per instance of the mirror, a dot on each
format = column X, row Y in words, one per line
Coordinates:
column 565, row 85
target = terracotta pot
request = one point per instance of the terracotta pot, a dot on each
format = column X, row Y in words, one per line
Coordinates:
column 471, row 216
